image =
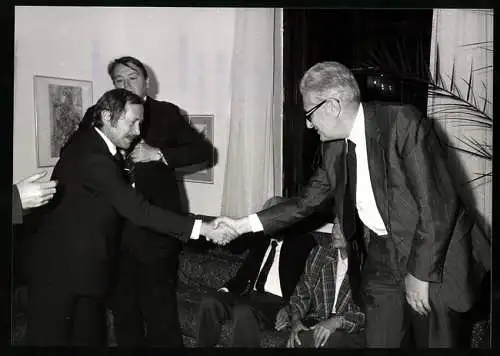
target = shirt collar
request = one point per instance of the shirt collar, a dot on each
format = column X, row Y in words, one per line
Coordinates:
column 358, row 128
column 111, row 145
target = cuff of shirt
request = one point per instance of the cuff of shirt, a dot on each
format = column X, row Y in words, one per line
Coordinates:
column 255, row 223
column 223, row 289
column 162, row 157
column 195, row 233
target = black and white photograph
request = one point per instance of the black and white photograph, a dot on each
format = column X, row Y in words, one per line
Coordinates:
column 252, row 177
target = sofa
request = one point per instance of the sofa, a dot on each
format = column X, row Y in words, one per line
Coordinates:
column 203, row 266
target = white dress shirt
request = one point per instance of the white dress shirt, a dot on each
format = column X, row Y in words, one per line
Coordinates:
column 365, row 199
column 341, row 272
column 272, row 284
column 195, row 233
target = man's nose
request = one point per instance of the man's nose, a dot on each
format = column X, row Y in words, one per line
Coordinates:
column 309, row 125
column 137, row 130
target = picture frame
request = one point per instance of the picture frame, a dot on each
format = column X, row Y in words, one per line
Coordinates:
column 60, row 104
column 203, row 172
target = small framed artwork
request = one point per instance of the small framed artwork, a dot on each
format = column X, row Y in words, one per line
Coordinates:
column 59, row 106
column 203, row 172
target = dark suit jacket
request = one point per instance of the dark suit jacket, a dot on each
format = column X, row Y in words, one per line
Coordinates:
column 293, row 255
column 164, row 128
column 17, row 206
column 74, row 245
column 435, row 238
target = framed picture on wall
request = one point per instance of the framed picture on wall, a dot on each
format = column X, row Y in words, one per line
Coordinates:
column 59, row 106
column 203, row 172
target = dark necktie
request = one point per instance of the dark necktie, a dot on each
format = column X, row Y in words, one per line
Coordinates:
column 129, row 170
column 349, row 202
column 261, row 280
column 126, row 167
column 119, row 160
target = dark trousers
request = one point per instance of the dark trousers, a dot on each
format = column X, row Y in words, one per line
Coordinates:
column 389, row 318
column 144, row 303
column 59, row 318
column 248, row 314
column 340, row 339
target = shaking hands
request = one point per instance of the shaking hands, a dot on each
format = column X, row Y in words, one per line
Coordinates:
column 224, row 230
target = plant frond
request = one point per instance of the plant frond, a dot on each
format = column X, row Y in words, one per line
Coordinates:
column 483, row 68
column 477, row 43
column 480, row 177
column 475, row 148
column 469, row 82
column 470, row 152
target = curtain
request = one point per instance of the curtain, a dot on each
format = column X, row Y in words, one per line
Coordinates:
column 250, row 175
column 462, row 52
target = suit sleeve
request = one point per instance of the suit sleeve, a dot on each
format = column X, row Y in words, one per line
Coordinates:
column 433, row 190
column 293, row 210
column 103, row 178
column 190, row 146
column 248, row 269
column 17, row 206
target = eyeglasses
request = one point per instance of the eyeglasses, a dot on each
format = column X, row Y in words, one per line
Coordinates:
column 313, row 110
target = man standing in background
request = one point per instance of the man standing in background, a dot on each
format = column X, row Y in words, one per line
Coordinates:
column 145, row 291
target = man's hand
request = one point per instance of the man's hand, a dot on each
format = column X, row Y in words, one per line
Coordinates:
column 417, row 294
column 34, row 194
column 220, row 234
column 324, row 329
column 282, row 319
column 297, row 327
column 145, row 153
column 241, row 226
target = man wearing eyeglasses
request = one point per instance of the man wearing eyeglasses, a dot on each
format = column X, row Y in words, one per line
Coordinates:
column 384, row 165
column 145, row 292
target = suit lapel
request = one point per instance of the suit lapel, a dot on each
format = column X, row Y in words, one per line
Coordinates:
column 377, row 164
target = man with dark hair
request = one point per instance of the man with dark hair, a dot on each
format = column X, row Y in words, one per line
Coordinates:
column 384, row 164
column 70, row 254
column 145, row 292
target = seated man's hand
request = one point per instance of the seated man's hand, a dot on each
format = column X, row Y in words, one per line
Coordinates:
column 282, row 319
column 220, row 234
column 324, row 329
column 293, row 339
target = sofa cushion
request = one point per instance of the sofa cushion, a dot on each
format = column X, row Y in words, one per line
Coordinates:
column 209, row 269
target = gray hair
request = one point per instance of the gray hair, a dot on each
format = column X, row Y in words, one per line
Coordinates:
column 326, row 77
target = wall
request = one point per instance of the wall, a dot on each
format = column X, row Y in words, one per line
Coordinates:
column 189, row 50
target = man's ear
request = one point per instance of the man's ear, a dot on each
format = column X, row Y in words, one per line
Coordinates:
column 106, row 116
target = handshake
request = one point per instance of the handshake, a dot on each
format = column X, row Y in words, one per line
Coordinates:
column 223, row 230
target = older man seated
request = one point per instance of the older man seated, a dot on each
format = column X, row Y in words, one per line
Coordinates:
column 322, row 311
